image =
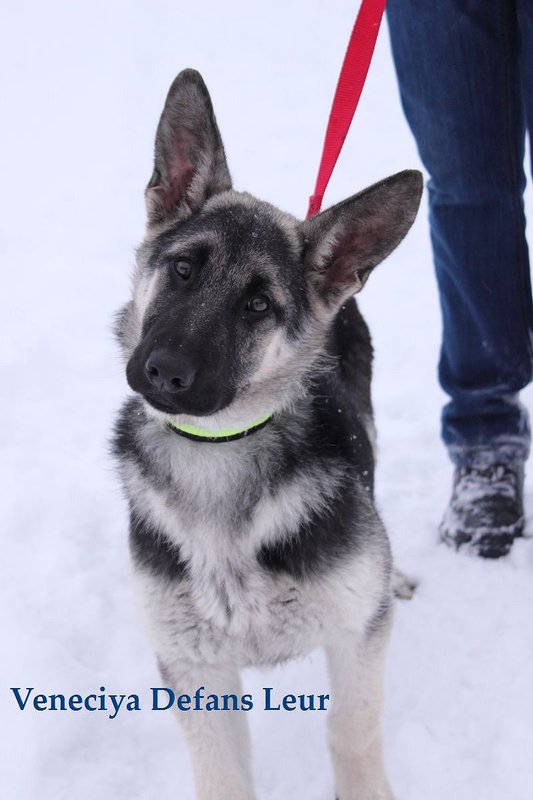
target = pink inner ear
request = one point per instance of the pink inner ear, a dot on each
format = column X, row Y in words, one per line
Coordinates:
column 342, row 271
column 353, row 251
column 177, row 182
column 179, row 172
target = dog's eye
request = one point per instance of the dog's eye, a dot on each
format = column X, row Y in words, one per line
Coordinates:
column 183, row 268
column 259, row 304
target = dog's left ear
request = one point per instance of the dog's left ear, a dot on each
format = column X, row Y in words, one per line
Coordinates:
column 345, row 243
column 190, row 163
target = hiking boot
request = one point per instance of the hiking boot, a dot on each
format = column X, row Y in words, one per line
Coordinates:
column 486, row 510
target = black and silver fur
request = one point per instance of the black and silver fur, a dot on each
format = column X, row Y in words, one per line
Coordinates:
column 258, row 550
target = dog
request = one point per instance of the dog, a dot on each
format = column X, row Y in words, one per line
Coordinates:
column 247, row 450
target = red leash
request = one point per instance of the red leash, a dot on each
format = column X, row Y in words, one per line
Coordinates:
column 351, row 81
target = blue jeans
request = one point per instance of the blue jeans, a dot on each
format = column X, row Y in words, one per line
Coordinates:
column 465, row 69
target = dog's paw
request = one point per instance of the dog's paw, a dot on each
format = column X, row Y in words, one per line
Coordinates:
column 402, row 586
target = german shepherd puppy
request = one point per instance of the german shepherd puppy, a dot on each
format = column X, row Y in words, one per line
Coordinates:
column 247, row 452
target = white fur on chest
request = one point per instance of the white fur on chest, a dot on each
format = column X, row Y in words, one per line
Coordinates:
column 228, row 607
column 226, row 583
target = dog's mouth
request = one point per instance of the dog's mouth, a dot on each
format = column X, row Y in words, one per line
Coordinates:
column 197, row 407
column 160, row 405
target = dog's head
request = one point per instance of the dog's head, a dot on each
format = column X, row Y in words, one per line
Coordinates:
column 232, row 297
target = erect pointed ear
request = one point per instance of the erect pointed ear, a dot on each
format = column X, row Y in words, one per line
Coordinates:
column 344, row 243
column 190, row 164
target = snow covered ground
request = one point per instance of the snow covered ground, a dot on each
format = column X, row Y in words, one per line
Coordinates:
column 83, row 86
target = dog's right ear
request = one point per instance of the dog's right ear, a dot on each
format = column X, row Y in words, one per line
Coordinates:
column 190, row 163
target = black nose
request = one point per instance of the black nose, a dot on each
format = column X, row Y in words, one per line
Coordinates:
column 169, row 372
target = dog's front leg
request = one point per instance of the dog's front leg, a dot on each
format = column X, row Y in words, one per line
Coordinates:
column 218, row 741
column 356, row 675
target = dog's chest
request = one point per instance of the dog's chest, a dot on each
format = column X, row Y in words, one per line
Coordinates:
column 226, row 603
column 226, row 607
column 220, row 623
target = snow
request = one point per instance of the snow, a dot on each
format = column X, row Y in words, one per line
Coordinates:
column 83, row 86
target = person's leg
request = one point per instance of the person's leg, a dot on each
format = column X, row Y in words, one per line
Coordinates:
column 458, row 69
column 525, row 27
